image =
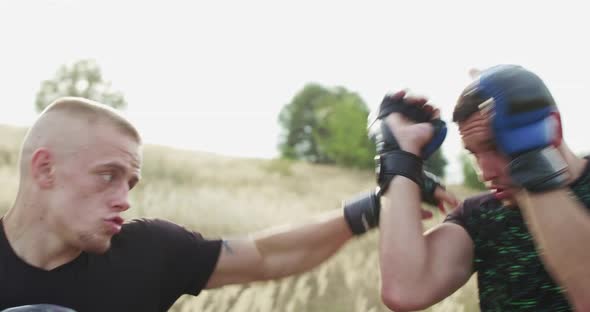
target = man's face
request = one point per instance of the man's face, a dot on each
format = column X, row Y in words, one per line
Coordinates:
column 92, row 184
column 478, row 139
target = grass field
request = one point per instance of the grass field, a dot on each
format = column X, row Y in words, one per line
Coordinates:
column 222, row 196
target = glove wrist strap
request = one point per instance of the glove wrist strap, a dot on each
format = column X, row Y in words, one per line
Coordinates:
column 398, row 162
column 362, row 212
column 539, row 170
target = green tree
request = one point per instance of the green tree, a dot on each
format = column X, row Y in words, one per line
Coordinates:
column 470, row 176
column 436, row 163
column 297, row 119
column 82, row 78
column 326, row 125
column 342, row 135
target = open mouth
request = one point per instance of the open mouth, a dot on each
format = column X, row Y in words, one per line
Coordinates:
column 500, row 192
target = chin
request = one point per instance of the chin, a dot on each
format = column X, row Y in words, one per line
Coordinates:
column 96, row 244
column 98, row 248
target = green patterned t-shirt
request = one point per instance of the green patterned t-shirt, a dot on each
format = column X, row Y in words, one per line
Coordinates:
column 511, row 276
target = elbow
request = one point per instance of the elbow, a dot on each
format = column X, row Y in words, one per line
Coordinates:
column 585, row 306
column 581, row 303
column 402, row 298
column 392, row 301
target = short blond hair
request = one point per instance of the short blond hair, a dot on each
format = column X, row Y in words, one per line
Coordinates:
column 53, row 124
column 79, row 107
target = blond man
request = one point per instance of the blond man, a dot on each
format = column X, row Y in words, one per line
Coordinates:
column 64, row 241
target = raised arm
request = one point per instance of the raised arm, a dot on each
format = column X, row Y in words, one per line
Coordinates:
column 417, row 269
column 561, row 228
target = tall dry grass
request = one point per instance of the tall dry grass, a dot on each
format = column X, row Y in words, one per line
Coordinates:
column 221, row 196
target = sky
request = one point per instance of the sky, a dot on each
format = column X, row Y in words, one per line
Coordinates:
column 213, row 75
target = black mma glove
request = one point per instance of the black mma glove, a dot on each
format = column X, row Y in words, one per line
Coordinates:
column 362, row 212
column 390, row 159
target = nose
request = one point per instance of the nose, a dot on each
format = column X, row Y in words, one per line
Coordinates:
column 120, row 200
column 487, row 167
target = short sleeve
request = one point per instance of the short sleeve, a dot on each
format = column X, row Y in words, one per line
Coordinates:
column 467, row 214
column 188, row 259
column 457, row 216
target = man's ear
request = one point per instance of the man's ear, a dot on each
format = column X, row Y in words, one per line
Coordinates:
column 42, row 167
column 558, row 129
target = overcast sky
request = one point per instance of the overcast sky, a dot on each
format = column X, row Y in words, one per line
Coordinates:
column 213, row 75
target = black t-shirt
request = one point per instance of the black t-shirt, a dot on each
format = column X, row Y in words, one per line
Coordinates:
column 149, row 265
column 511, row 276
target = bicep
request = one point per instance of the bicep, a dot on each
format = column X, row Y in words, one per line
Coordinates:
column 239, row 262
column 450, row 250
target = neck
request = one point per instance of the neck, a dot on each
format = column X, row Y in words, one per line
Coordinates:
column 33, row 239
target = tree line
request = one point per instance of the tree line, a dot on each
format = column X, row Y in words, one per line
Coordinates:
column 320, row 124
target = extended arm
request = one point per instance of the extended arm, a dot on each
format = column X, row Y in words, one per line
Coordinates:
column 280, row 252
column 289, row 250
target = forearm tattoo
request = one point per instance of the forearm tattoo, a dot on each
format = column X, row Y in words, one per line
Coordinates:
column 227, row 247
